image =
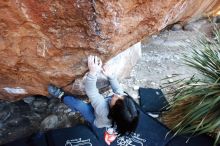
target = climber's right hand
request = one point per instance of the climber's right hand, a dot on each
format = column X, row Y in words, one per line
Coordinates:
column 106, row 70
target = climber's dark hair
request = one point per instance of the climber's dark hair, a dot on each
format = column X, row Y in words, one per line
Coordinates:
column 124, row 115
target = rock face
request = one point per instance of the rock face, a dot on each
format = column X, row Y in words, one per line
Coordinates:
column 48, row 41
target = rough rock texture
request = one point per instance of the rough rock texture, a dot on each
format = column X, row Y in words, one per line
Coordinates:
column 48, row 41
column 21, row 118
column 215, row 10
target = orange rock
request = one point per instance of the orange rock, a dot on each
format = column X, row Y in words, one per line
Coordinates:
column 48, row 41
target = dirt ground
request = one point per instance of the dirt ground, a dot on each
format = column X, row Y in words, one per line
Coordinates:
column 161, row 58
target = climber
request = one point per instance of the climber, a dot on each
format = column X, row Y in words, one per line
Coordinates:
column 117, row 111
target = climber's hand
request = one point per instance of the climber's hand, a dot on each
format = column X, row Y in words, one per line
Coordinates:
column 107, row 71
column 94, row 64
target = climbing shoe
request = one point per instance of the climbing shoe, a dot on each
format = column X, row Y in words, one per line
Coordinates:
column 55, row 91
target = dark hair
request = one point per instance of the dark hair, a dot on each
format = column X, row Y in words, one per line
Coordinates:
column 125, row 115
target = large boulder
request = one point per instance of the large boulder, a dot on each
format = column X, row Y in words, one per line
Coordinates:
column 48, row 41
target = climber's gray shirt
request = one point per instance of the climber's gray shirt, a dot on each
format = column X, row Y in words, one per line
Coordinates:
column 99, row 103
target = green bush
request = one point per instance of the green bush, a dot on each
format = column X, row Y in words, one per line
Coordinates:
column 196, row 104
